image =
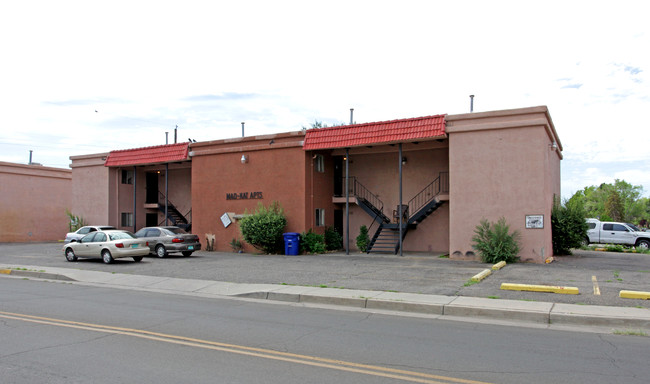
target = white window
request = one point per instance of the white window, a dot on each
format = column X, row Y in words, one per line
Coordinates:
column 320, row 217
column 127, row 219
column 319, row 163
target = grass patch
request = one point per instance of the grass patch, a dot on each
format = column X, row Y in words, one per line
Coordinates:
column 443, row 256
column 493, row 297
column 469, row 283
column 630, row 333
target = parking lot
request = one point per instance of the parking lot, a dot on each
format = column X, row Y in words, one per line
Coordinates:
column 415, row 273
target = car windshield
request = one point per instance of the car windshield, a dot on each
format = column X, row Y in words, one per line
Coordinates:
column 634, row 227
column 121, row 235
column 175, row 231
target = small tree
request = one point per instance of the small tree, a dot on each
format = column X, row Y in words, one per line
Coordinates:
column 333, row 239
column 494, row 243
column 568, row 226
column 76, row 221
column 263, row 229
column 363, row 240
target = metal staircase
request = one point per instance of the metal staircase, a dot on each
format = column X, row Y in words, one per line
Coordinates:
column 386, row 238
column 174, row 215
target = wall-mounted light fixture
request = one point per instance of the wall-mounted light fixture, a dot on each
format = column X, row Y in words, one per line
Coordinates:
column 403, row 160
column 553, row 146
column 244, row 159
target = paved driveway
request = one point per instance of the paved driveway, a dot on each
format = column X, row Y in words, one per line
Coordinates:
column 415, row 273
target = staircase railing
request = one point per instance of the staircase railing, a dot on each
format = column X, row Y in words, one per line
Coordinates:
column 440, row 184
column 360, row 191
column 170, row 208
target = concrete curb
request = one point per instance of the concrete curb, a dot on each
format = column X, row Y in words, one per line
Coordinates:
column 457, row 307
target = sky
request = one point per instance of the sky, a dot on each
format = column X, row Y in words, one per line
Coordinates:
column 85, row 77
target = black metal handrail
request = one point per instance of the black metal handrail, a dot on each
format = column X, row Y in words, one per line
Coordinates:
column 358, row 190
column 424, row 197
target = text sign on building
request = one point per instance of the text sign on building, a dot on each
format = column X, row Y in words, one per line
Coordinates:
column 534, row 221
column 244, row 196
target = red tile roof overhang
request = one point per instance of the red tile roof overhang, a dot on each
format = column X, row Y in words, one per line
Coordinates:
column 160, row 154
column 384, row 132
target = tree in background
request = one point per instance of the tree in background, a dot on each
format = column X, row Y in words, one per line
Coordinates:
column 620, row 201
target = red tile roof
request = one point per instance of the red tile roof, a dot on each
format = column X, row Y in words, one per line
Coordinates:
column 384, row 132
column 148, row 155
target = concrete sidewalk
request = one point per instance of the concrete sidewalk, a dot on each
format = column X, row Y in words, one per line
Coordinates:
column 543, row 314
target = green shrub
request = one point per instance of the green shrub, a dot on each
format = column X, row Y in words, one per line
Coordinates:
column 363, row 240
column 494, row 243
column 614, row 248
column 263, row 229
column 568, row 227
column 311, row 242
column 333, row 239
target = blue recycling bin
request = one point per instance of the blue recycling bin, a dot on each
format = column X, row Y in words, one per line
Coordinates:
column 291, row 243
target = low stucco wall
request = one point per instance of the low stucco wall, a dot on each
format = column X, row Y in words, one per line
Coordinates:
column 33, row 202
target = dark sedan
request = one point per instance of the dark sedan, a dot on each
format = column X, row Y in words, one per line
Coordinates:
column 165, row 240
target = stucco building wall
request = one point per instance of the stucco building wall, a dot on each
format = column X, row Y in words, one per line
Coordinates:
column 33, row 202
column 503, row 164
column 91, row 188
column 276, row 169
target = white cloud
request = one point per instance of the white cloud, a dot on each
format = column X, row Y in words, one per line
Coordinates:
column 148, row 66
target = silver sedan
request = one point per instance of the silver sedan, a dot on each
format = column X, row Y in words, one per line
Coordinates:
column 169, row 239
column 107, row 245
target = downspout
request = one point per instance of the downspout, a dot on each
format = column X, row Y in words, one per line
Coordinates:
column 166, row 193
column 347, row 201
column 135, row 177
column 401, row 218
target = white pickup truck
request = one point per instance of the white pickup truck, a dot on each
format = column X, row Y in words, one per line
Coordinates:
column 605, row 232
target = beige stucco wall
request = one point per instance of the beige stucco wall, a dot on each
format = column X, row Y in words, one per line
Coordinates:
column 33, row 202
column 91, row 186
column 502, row 164
column 377, row 169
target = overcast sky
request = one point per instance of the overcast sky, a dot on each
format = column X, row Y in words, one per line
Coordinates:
column 82, row 77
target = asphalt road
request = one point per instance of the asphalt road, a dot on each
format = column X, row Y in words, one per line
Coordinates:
column 90, row 334
column 414, row 273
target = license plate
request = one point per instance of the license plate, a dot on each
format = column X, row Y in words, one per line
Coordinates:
column 190, row 248
column 134, row 245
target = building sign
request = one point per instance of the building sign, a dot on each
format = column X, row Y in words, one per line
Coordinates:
column 244, row 196
column 534, row 221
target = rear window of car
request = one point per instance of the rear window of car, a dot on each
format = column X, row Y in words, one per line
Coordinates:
column 175, row 231
column 121, row 236
column 591, row 225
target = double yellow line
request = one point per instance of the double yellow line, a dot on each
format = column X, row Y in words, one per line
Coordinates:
column 399, row 374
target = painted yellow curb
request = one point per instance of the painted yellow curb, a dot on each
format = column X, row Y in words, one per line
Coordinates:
column 634, row 295
column 480, row 276
column 5, row 271
column 540, row 288
column 498, row 265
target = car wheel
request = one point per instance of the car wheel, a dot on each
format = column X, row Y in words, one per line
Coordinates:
column 69, row 255
column 585, row 242
column 106, row 256
column 186, row 253
column 161, row 251
column 643, row 244
column 137, row 259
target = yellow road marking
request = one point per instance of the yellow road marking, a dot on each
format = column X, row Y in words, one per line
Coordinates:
column 340, row 365
column 596, row 288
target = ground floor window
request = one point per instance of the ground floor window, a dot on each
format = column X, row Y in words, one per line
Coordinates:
column 127, row 219
column 320, row 217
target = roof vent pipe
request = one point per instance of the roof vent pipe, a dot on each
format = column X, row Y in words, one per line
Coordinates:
column 175, row 134
column 471, row 103
column 30, row 156
column 242, row 128
column 351, row 115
